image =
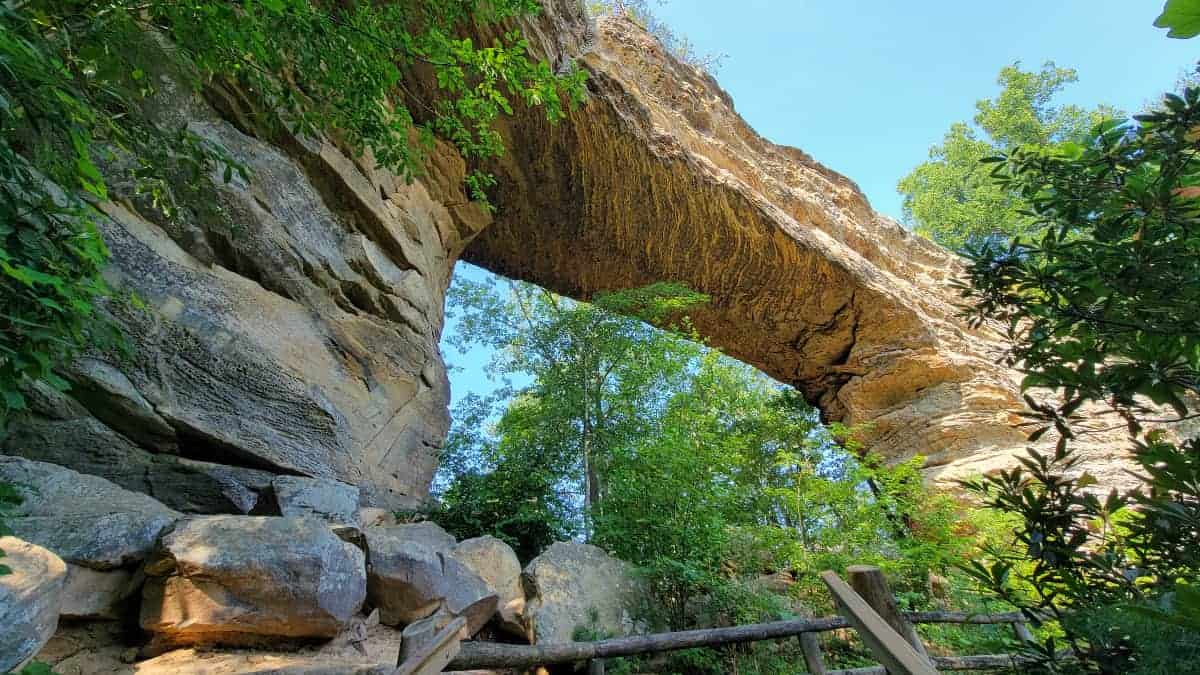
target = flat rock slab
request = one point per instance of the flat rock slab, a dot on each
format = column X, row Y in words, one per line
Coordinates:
column 249, row 580
column 30, row 598
column 84, row 519
column 409, row 581
column 323, row 498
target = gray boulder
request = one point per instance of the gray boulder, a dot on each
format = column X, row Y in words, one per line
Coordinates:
column 321, row 498
column 30, row 598
column 498, row 566
column 569, row 584
column 409, row 581
column 84, row 519
column 248, row 580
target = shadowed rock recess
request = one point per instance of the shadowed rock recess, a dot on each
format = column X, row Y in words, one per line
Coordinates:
column 293, row 321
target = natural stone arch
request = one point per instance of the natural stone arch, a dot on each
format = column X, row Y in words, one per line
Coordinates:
column 658, row 178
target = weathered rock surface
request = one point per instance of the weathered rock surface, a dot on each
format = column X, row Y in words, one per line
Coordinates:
column 292, row 327
column 321, row 498
column 30, row 598
column 427, row 533
column 498, row 566
column 408, row 580
column 84, row 519
column 251, row 580
column 569, row 583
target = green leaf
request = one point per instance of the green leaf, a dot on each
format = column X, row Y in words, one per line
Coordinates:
column 1182, row 17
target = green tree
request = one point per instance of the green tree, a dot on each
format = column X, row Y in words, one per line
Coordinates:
column 1101, row 309
column 951, row 200
column 597, row 374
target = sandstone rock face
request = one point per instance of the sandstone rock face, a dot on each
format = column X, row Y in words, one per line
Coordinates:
column 251, row 580
column 30, row 598
column 409, row 581
column 321, row 498
column 569, row 583
column 498, row 566
column 85, row 520
column 293, row 327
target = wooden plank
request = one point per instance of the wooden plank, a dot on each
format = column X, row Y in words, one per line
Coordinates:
column 435, row 654
column 870, row 584
column 889, row 648
column 1023, row 633
column 810, row 646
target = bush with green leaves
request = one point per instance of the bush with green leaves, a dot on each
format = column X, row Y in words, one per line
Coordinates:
column 1101, row 309
column 77, row 82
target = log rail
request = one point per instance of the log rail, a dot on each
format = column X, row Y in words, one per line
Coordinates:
column 866, row 581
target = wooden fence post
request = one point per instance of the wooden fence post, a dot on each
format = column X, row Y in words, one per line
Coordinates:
column 596, row 667
column 888, row 647
column 868, row 581
column 810, row 646
column 432, row 645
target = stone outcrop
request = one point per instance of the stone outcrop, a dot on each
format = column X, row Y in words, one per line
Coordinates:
column 30, row 599
column 251, row 580
column 291, row 328
column 572, row 586
column 496, row 563
column 408, row 580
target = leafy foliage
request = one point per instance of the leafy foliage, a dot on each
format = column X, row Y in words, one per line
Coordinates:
column 1101, row 309
column 709, row 475
column 1182, row 17
column 951, row 199
column 78, row 85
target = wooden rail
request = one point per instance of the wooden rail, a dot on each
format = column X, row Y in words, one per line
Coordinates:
column 889, row 635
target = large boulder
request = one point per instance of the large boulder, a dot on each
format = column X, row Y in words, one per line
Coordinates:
column 242, row 580
column 409, row 581
column 572, row 586
column 84, row 519
column 30, row 598
column 498, row 566
column 323, row 498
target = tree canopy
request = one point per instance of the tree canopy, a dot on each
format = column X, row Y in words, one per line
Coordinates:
column 951, row 198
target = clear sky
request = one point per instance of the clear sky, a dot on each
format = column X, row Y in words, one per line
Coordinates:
column 866, row 86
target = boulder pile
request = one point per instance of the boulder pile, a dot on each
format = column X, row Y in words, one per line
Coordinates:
column 325, row 587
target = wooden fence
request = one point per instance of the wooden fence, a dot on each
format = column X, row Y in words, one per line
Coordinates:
column 865, row 604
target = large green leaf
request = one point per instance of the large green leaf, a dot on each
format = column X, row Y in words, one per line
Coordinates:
column 1182, row 17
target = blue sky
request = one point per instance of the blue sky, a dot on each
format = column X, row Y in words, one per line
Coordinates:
column 866, row 86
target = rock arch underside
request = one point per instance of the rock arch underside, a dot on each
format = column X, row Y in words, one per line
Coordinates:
column 294, row 319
